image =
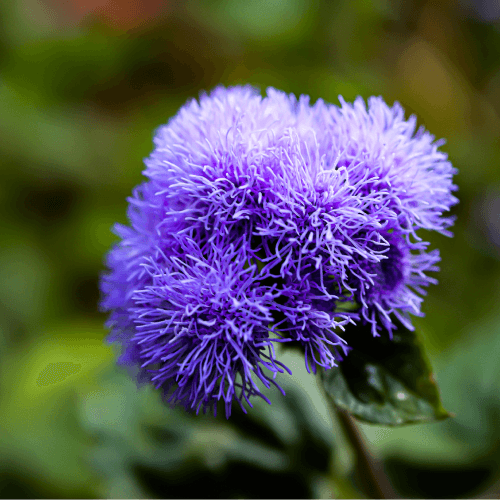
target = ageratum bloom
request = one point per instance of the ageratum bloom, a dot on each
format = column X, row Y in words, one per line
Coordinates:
column 268, row 220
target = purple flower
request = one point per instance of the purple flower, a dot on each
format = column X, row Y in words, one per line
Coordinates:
column 267, row 220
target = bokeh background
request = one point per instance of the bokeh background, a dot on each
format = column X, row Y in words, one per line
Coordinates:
column 83, row 85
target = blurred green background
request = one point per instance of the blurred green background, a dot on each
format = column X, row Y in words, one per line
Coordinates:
column 83, row 85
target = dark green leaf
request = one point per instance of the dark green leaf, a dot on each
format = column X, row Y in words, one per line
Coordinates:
column 384, row 381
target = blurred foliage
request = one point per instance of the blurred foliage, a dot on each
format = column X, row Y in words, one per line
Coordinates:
column 145, row 449
column 83, row 85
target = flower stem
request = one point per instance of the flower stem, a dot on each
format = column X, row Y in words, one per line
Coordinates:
column 369, row 472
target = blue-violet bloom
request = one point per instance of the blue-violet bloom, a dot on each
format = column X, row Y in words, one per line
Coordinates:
column 268, row 220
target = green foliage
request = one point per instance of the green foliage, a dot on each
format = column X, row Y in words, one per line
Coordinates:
column 41, row 385
column 145, row 449
column 456, row 457
column 384, row 381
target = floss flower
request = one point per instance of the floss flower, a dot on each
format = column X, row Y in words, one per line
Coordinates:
column 268, row 220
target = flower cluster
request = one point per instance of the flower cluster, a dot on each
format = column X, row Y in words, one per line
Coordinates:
column 267, row 220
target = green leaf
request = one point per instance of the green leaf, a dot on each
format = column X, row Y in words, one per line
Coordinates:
column 384, row 381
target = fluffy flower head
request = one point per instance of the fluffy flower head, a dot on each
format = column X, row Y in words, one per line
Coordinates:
column 266, row 220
